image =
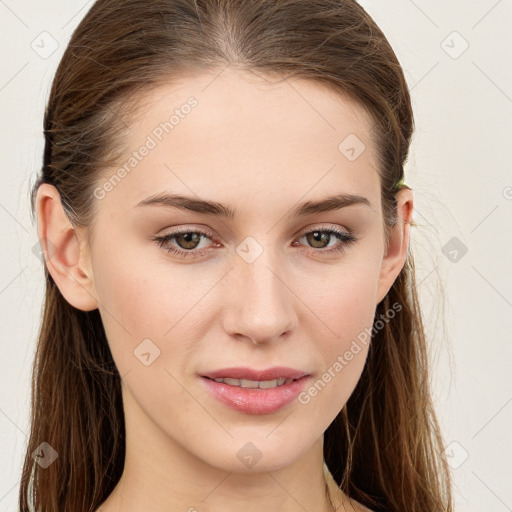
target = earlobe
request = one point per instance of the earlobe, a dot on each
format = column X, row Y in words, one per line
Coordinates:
column 396, row 251
column 66, row 257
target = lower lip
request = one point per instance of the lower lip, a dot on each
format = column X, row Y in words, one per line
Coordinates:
column 255, row 400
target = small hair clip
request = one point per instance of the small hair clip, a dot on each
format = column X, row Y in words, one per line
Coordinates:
column 401, row 184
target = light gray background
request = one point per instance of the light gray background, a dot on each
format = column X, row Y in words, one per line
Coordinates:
column 459, row 168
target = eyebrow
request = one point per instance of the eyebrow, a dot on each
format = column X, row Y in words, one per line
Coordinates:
column 326, row 204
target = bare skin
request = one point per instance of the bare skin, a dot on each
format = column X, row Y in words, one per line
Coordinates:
column 261, row 149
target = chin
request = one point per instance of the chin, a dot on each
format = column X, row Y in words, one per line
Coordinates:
column 256, row 453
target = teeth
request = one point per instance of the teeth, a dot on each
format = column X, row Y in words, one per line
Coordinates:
column 245, row 383
column 232, row 382
column 251, row 384
column 268, row 384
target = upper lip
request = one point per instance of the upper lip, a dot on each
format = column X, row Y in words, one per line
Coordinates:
column 275, row 372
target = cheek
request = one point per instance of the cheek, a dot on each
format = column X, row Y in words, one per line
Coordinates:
column 150, row 313
column 344, row 300
column 132, row 306
column 345, row 304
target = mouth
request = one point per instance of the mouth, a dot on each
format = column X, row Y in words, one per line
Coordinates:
column 254, row 384
column 252, row 391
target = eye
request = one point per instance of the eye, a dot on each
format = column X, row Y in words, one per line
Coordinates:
column 187, row 241
column 320, row 238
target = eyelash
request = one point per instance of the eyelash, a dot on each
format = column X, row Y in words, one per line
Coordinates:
column 347, row 239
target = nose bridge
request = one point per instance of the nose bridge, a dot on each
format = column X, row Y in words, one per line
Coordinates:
column 263, row 309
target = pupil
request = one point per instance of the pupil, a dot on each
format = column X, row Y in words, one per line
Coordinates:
column 317, row 238
column 189, row 240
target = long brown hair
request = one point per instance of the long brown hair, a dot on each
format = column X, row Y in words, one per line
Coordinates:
column 384, row 448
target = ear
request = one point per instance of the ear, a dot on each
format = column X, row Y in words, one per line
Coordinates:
column 396, row 253
column 66, row 256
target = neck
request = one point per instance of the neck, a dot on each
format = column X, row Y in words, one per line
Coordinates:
column 301, row 486
column 161, row 475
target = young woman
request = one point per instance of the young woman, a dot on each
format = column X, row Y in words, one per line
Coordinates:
column 231, row 320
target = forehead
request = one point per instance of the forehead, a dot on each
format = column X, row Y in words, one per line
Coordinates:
column 232, row 134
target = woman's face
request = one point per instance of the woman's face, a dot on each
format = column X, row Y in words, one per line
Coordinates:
column 268, row 286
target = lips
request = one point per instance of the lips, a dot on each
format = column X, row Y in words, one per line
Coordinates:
column 252, row 391
column 263, row 400
column 244, row 373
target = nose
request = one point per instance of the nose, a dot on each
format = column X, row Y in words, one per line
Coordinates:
column 259, row 305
